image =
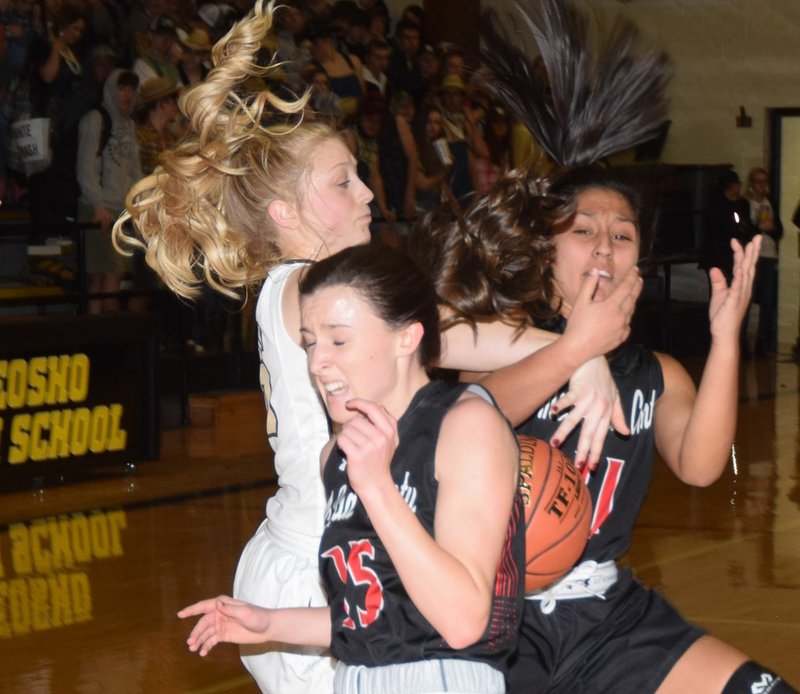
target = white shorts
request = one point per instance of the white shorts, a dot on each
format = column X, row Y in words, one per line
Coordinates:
column 435, row 676
column 269, row 574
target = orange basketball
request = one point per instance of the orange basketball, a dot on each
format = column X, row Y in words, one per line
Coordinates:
column 558, row 512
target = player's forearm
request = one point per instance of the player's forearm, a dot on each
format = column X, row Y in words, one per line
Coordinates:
column 494, row 345
column 520, row 389
column 706, row 446
column 300, row 626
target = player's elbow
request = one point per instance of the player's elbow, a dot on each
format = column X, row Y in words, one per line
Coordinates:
column 466, row 628
column 700, row 477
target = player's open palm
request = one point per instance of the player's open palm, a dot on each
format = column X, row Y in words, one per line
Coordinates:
column 728, row 305
column 224, row 620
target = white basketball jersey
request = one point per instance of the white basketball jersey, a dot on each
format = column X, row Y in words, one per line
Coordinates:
column 297, row 425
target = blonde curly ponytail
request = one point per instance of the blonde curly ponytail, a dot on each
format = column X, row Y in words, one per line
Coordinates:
column 201, row 217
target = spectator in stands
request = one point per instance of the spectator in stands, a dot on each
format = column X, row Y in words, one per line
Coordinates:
column 727, row 217
column 196, row 47
column 19, row 27
column 433, row 157
column 350, row 24
column 765, row 290
column 454, row 63
column 344, row 71
column 87, row 96
column 108, row 165
column 397, row 156
column 403, row 72
column 362, row 139
column 109, row 25
column 54, row 74
column 430, row 69
column 497, row 136
column 376, row 62
column 141, row 17
column 379, row 20
column 158, row 101
column 319, row 10
column 290, row 22
column 158, row 60
column 462, row 135
column 416, row 15
column 20, row 30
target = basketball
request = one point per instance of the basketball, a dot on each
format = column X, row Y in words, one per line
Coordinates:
column 558, row 512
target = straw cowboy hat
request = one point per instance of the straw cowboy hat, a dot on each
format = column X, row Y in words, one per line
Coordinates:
column 155, row 89
column 452, row 81
column 197, row 40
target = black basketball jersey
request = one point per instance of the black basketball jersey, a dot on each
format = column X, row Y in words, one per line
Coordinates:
column 373, row 620
column 622, row 478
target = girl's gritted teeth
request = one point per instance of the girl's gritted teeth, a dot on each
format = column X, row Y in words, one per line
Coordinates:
column 334, row 388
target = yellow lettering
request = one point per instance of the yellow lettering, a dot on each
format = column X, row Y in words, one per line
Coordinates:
column 116, row 521
column 101, row 543
column 20, row 548
column 58, row 368
column 79, row 378
column 40, row 607
column 81, row 597
column 60, row 603
column 79, row 434
column 60, row 545
column 5, row 627
column 37, row 535
column 18, row 444
column 117, row 438
column 59, row 434
column 20, row 607
column 3, row 379
column 38, row 444
column 81, row 545
column 99, row 429
column 37, row 381
column 17, row 384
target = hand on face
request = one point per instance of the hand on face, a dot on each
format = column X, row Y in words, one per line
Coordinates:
column 368, row 442
column 597, row 327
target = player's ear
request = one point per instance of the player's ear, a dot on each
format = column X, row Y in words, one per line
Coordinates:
column 283, row 214
column 409, row 339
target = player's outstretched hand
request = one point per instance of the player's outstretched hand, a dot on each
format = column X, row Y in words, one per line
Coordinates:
column 368, row 442
column 223, row 619
column 728, row 305
column 592, row 401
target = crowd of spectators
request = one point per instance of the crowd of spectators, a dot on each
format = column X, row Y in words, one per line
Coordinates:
column 409, row 105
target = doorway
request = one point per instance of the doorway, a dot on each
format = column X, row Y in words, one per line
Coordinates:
column 784, row 148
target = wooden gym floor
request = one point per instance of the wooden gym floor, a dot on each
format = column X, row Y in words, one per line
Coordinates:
column 92, row 607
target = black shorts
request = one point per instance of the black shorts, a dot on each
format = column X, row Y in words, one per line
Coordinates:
column 626, row 643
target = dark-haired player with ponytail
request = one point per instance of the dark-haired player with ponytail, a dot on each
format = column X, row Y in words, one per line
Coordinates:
column 598, row 630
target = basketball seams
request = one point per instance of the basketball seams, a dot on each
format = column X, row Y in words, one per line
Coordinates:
column 560, row 505
column 535, row 507
column 564, row 569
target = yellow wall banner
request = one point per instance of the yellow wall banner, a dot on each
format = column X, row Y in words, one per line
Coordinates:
column 76, row 391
